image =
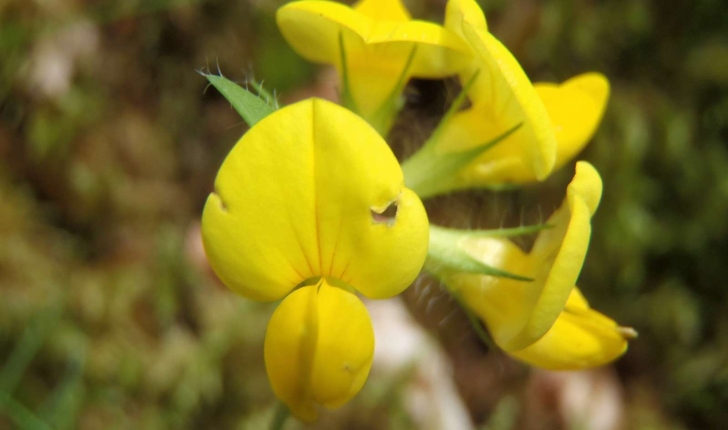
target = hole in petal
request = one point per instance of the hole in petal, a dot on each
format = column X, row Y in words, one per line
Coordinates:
column 387, row 216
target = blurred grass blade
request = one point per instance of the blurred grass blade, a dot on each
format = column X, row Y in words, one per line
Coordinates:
column 20, row 415
column 250, row 106
column 25, row 350
column 62, row 406
column 430, row 172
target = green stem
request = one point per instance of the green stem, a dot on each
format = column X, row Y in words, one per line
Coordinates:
column 280, row 417
column 20, row 415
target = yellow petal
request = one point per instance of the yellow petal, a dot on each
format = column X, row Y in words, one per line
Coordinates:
column 575, row 108
column 377, row 42
column 295, row 198
column 580, row 338
column 383, row 10
column 458, row 11
column 344, row 350
column 503, row 304
column 376, row 63
column 519, row 313
column 561, row 251
column 319, row 347
column 502, row 97
column 312, row 28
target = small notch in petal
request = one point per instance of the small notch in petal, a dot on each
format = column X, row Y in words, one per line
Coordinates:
column 387, row 216
column 223, row 206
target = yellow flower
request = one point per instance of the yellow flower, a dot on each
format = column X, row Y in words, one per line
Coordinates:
column 319, row 348
column 298, row 197
column 556, row 121
column 312, row 195
column 545, row 322
column 378, row 38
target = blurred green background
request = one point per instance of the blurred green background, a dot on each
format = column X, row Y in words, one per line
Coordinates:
column 109, row 143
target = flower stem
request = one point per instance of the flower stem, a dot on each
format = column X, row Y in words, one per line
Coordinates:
column 280, row 417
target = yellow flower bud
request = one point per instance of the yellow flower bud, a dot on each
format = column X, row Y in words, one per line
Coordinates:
column 319, row 348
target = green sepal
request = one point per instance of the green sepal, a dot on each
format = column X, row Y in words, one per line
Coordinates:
column 429, row 173
column 347, row 100
column 383, row 118
column 475, row 322
column 250, row 106
column 455, row 107
column 444, row 255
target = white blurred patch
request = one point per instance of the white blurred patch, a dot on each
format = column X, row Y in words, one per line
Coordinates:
column 587, row 399
column 54, row 57
column 431, row 398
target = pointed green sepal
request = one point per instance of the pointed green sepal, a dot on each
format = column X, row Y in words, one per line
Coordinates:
column 446, row 256
column 455, row 107
column 250, row 106
column 383, row 118
column 347, row 100
column 429, row 173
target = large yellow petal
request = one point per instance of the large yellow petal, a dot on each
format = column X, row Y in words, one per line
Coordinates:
column 503, row 97
column 312, row 28
column 580, row 338
column 576, row 108
column 319, row 348
column 458, row 11
column 297, row 198
column 383, row 10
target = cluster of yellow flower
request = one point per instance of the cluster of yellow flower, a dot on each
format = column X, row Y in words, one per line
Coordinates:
column 311, row 205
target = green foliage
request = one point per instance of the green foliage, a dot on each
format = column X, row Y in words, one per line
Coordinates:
column 251, row 107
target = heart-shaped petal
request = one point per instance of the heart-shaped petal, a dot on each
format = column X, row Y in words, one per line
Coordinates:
column 304, row 194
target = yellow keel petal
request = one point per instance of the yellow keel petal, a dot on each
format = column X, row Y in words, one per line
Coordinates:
column 319, row 348
column 580, row 338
